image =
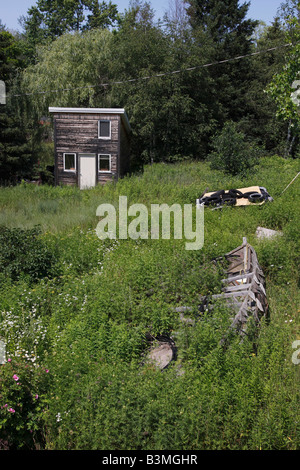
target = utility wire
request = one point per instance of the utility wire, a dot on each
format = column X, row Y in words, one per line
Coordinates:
column 291, row 182
column 163, row 74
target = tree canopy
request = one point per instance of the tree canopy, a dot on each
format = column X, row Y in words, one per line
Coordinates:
column 50, row 19
column 15, row 147
column 180, row 80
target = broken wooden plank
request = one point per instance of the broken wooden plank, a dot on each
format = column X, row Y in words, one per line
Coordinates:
column 237, row 288
column 237, row 277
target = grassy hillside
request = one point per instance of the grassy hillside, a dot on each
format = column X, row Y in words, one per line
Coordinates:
column 76, row 312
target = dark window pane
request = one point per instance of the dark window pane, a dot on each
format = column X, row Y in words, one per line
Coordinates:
column 104, row 129
column 104, row 163
column 69, row 161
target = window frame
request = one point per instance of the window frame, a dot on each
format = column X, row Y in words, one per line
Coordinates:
column 99, row 125
column 75, row 162
column 99, row 157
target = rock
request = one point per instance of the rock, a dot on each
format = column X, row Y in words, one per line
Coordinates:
column 162, row 355
column 266, row 233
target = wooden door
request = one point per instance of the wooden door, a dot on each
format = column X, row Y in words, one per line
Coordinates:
column 87, row 170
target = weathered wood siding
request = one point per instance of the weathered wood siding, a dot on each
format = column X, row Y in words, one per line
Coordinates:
column 78, row 133
column 124, row 164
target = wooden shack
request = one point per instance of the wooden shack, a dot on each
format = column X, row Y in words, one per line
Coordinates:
column 91, row 145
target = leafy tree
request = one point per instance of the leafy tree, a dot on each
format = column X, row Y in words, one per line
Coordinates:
column 15, row 150
column 284, row 86
column 232, row 152
column 56, row 17
column 289, row 10
column 259, row 120
column 10, row 59
column 50, row 19
column 34, row 34
column 225, row 25
column 70, row 71
column 220, row 19
column 176, row 18
column 170, row 116
column 102, row 14
column 140, row 49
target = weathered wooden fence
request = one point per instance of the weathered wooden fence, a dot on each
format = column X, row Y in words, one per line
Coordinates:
column 244, row 288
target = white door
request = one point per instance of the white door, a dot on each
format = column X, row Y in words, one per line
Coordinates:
column 87, row 170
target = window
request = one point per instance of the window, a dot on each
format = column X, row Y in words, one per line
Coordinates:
column 104, row 163
column 69, row 161
column 104, row 130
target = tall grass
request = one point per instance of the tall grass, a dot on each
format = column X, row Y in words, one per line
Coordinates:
column 61, row 208
column 88, row 322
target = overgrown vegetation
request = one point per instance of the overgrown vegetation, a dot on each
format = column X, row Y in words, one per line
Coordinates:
column 76, row 377
column 22, row 253
column 209, row 110
column 158, row 71
column 231, row 151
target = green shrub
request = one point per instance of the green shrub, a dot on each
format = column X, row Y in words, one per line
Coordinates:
column 232, row 152
column 23, row 254
column 23, row 404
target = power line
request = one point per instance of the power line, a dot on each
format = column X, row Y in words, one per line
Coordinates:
column 291, row 182
column 158, row 75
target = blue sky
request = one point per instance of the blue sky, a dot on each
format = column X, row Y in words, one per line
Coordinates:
column 11, row 10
